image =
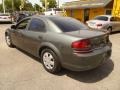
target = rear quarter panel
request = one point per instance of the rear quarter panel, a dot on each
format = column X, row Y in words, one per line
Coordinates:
column 61, row 43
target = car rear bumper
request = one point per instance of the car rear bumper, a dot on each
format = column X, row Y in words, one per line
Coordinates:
column 5, row 20
column 80, row 62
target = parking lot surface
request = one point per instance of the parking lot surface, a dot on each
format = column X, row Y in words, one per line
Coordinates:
column 21, row 71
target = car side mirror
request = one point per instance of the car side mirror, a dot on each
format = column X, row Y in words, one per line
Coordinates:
column 13, row 27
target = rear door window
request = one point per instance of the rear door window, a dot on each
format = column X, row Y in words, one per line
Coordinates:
column 37, row 25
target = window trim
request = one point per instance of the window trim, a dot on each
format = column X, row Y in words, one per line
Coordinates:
column 23, row 21
column 37, row 31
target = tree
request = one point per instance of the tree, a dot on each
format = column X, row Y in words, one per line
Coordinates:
column 51, row 3
column 37, row 8
column 1, row 9
column 8, row 5
column 28, row 7
column 17, row 3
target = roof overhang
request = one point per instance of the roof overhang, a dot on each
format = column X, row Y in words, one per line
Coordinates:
column 86, row 4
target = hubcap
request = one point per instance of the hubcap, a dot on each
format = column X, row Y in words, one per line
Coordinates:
column 8, row 40
column 109, row 30
column 48, row 60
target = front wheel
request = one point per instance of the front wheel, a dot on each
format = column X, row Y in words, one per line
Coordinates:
column 8, row 40
column 109, row 29
column 50, row 61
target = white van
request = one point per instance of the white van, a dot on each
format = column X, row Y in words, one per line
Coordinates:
column 54, row 11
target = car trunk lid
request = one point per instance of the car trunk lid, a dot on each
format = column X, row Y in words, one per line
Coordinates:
column 98, row 39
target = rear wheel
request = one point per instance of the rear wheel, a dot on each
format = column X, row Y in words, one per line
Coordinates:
column 8, row 40
column 50, row 61
column 109, row 29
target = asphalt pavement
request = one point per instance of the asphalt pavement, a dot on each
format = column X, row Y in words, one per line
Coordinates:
column 22, row 71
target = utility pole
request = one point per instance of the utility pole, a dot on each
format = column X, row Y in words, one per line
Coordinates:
column 46, row 3
column 3, row 4
column 12, row 5
column 58, row 4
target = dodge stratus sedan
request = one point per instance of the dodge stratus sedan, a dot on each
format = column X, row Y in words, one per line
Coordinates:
column 60, row 42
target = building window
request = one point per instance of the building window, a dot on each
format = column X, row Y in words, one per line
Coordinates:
column 108, row 12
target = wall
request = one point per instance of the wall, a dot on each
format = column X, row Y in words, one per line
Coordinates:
column 95, row 12
column 116, row 8
column 75, row 13
column 79, row 13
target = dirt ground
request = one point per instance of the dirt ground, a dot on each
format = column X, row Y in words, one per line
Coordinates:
column 21, row 71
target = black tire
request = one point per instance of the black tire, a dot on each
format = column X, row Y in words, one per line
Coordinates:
column 109, row 29
column 8, row 41
column 56, row 67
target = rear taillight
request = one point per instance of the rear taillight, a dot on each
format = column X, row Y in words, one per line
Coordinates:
column 82, row 46
column 99, row 25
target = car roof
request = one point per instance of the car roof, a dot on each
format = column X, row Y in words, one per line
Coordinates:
column 49, row 17
column 45, row 18
column 109, row 16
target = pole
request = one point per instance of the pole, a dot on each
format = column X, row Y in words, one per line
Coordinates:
column 3, row 3
column 58, row 4
column 12, row 5
column 45, row 5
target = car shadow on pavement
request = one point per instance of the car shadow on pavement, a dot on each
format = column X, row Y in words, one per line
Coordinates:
column 91, row 76
column 5, row 23
column 28, row 54
column 117, row 32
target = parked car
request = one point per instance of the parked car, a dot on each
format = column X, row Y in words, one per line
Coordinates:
column 105, row 22
column 54, row 11
column 20, row 16
column 6, row 18
column 60, row 42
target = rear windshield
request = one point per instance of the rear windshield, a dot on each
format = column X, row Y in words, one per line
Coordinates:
column 67, row 24
column 101, row 18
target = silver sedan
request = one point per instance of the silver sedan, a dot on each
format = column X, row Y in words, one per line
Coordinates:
column 105, row 22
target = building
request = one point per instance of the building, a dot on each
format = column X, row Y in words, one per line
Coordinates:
column 116, row 8
column 84, row 10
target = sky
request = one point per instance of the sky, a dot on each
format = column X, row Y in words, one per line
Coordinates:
column 61, row 1
column 0, row 1
column 38, row 1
